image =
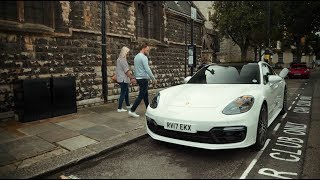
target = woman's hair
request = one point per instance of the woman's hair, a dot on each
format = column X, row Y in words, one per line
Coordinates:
column 124, row 51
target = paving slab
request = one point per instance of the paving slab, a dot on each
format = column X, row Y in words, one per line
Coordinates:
column 124, row 126
column 76, row 124
column 58, row 135
column 5, row 136
column 76, row 142
column 39, row 128
column 27, row 147
column 101, row 109
column 5, row 158
column 91, row 116
column 100, row 133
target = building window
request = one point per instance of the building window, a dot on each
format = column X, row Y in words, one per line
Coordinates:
column 8, row 10
column 141, row 22
column 36, row 12
column 148, row 20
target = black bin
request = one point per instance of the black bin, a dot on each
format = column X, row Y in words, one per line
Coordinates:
column 63, row 96
column 42, row 98
column 33, row 99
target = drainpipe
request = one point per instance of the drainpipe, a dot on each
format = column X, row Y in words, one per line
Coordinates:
column 104, row 53
column 186, row 48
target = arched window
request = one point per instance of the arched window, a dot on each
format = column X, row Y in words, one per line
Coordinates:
column 141, row 19
column 148, row 19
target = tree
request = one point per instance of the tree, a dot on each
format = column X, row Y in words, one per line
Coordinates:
column 301, row 19
column 245, row 22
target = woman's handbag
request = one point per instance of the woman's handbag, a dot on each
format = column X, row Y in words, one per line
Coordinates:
column 114, row 78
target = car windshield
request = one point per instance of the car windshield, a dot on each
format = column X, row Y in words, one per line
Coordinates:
column 299, row 66
column 227, row 74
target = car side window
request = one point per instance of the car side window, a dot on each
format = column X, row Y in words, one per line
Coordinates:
column 266, row 71
column 271, row 70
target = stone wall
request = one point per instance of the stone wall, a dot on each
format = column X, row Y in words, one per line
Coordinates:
column 29, row 54
column 73, row 48
column 229, row 51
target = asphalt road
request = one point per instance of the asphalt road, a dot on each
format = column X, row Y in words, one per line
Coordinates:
column 283, row 156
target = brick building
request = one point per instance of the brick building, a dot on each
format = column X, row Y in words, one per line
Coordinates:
column 40, row 39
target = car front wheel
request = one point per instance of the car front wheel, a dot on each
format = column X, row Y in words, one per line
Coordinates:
column 262, row 128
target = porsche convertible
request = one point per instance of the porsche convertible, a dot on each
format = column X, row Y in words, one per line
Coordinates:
column 222, row 106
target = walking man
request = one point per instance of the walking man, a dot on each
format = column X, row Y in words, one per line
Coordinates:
column 143, row 74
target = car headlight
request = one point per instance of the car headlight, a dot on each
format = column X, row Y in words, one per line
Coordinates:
column 240, row 105
column 155, row 101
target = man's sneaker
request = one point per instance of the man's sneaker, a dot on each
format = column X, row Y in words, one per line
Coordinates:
column 128, row 107
column 133, row 114
column 122, row 110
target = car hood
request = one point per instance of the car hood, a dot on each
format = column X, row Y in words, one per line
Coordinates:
column 204, row 95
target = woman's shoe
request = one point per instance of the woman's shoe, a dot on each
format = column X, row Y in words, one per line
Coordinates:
column 121, row 110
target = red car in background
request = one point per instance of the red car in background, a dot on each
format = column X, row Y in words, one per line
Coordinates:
column 299, row 70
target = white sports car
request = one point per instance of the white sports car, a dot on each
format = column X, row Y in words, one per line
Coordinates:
column 223, row 106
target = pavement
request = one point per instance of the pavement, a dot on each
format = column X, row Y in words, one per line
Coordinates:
column 33, row 149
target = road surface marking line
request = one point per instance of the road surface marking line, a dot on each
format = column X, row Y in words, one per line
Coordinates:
column 276, row 128
column 296, row 98
column 298, row 94
column 293, row 102
column 284, row 116
column 254, row 161
column 289, row 108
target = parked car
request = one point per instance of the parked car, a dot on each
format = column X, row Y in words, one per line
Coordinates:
column 221, row 106
column 299, row 70
column 317, row 63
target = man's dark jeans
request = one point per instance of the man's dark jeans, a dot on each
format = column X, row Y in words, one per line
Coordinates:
column 124, row 94
column 143, row 94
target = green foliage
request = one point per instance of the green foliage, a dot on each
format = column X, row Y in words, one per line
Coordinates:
column 246, row 23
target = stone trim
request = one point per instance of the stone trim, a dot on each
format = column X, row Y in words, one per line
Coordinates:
column 120, row 35
column 171, row 11
column 25, row 27
column 182, row 44
column 71, row 30
column 85, row 31
column 128, row 3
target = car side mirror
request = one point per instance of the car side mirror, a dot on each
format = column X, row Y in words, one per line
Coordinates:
column 274, row 78
column 284, row 72
column 187, row 79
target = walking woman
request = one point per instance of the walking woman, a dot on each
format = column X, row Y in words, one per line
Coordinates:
column 124, row 77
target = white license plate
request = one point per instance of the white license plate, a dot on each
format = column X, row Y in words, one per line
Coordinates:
column 189, row 128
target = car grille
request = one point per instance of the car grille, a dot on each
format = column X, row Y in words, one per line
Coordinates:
column 217, row 135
